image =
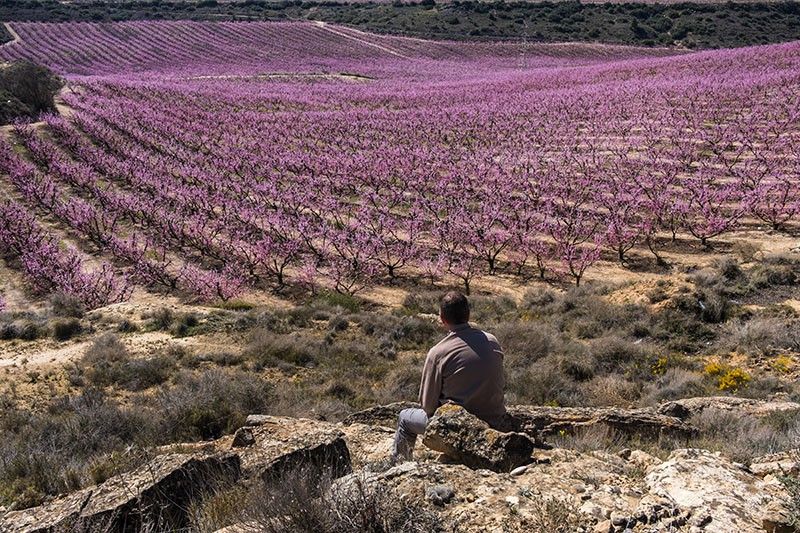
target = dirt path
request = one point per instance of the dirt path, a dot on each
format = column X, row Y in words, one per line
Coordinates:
column 285, row 75
column 325, row 27
column 35, row 356
column 16, row 39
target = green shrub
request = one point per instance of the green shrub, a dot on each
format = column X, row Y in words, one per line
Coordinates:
column 26, row 330
column 64, row 305
column 335, row 299
column 66, row 329
column 542, row 383
column 526, row 342
column 404, row 332
column 183, row 324
column 29, row 88
column 267, row 349
column 729, row 268
column 48, row 453
column 680, row 330
column 235, row 305
column 422, row 303
column 792, row 485
column 140, row 374
column 210, row 404
column 675, row 384
column 338, row 323
column 127, row 326
column 484, row 309
column 107, row 362
column 537, row 298
column 160, row 320
column 303, row 500
column 742, row 438
column 770, row 275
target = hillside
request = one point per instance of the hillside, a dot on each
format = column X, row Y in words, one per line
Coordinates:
column 221, row 259
column 683, row 24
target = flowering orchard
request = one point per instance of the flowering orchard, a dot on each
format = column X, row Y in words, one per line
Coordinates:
column 438, row 160
column 169, row 47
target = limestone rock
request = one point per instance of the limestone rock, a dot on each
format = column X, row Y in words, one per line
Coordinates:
column 786, row 463
column 720, row 496
column 243, row 527
column 440, row 494
column 243, row 437
column 368, row 444
column 258, row 420
column 282, row 445
column 158, row 492
column 468, row 440
column 537, row 421
column 490, row 501
column 643, row 423
column 758, row 408
column 643, row 460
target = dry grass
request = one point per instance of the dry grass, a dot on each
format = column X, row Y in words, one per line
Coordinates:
column 302, row 503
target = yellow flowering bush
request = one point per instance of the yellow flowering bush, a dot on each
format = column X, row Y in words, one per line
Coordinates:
column 714, row 368
column 660, row 366
column 733, row 379
column 782, row 364
column 729, row 378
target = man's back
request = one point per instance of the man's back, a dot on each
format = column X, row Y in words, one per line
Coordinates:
column 466, row 368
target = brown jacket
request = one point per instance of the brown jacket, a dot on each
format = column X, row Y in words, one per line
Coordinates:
column 465, row 368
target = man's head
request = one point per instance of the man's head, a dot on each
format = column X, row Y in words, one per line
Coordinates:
column 454, row 309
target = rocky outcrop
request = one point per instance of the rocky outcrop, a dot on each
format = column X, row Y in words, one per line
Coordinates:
column 688, row 407
column 777, row 464
column 470, row 441
column 271, row 447
column 486, row 501
column 586, row 492
column 632, row 492
column 158, row 493
column 642, row 423
column 541, row 421
column 709, row 493
column 373, row 444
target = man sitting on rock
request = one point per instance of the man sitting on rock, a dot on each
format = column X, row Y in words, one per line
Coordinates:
column 465, row 368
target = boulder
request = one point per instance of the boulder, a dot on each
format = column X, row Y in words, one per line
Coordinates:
column 271, row 447
column 440, row 494
column 642, row 423
column 687, row 407
column 468, row 440
column 156, row 494
column 370, row 445
column 718, row 495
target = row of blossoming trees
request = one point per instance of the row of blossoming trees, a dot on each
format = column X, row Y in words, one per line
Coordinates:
column 212, row 187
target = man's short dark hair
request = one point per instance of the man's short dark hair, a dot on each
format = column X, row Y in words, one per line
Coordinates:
column 454, row 308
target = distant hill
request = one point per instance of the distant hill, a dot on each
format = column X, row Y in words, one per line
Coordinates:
column 704, row 24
